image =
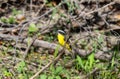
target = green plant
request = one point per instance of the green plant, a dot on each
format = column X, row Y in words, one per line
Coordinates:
column 15, row 12
column 107, row 74
column 71, row 6
column 43, row 76
column 7, row 73
column 10, row 20
column 112, row 62
column 56, row 51
column 21, row 76
column 21, row 66
column 49, row 37
column 32, row 28
column 21, row 70
column 91, row 60
column 79, row 63
column 4, row 20
column 56, row 73
column 85, row 64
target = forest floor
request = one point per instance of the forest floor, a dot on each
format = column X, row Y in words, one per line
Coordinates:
column 29, row 47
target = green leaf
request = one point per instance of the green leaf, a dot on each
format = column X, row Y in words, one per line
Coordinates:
column 54, row 12
column 43, row 76
column 58, row 70
column 33, row 28
column 21, row 66
column 8, row 74
column 80, row 62
column 4, row 19
column 52, row 69
column 21, row 76
column 57, row 77
column 15, row 11
column 11, row 20
column 113, row 62
column 50, row 77
column 56, row 51
column 86, row 67
column 91, row 60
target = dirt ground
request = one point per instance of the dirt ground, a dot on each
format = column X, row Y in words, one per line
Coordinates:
column 29, row 47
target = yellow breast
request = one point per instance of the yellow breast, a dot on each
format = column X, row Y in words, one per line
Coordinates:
column 61, row 40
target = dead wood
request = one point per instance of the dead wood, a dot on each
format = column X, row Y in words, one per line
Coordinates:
column 39, row 43
column 45, row 44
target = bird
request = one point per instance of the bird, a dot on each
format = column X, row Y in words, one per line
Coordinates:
column 61, row 36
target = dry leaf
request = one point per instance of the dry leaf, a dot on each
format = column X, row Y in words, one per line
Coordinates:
column 20, row 18
column 117, row 16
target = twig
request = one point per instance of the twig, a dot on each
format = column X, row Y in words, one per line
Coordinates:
column 29, row 21
column 40, row 9
column 99, row 9
column 96, row 10
column 36, row 18
column 41, row 70
column 28, row 48
column 92, row 72
column 31, row 6
column 57, row 58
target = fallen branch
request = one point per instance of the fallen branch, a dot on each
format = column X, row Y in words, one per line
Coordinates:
column 39, row 43
column 44, row 44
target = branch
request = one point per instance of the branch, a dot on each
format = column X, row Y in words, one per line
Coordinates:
column 40, row 43
column 40, row 71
